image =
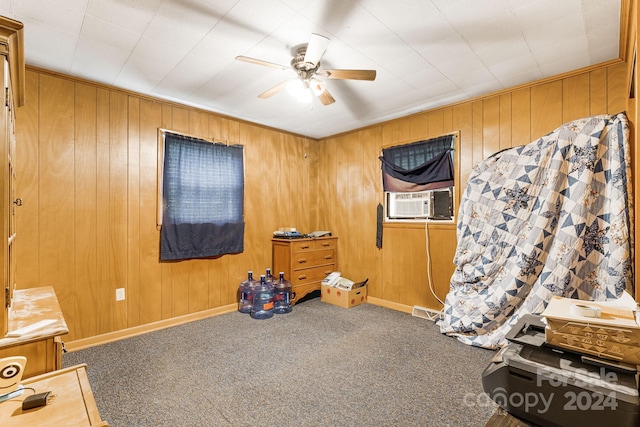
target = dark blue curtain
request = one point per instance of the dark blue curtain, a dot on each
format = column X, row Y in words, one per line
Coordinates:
column 418, row 166
column 203, row 199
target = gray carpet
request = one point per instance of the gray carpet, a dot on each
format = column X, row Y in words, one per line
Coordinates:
column 320, row 365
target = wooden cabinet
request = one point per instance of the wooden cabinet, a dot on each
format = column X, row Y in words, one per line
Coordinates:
column 12, row 75
column 36, row 314
column 28, row 307
column 73, row 404
column 305, row 262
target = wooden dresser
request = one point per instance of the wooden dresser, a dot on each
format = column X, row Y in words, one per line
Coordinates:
column 305, row 262
column 73, row 404
column 40, row 345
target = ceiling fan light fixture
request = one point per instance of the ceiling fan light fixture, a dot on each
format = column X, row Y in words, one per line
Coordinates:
column 299, row 90
column 294, row 86
column 317, row 86
column 306, row 64
column 305, row 96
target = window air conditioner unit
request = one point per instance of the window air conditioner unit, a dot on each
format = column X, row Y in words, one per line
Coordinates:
column 432, row 205
column 409, row 205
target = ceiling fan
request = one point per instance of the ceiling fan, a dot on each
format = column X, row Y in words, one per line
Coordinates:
column 306, row 63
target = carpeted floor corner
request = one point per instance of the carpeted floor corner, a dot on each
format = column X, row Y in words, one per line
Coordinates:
column 320, row 365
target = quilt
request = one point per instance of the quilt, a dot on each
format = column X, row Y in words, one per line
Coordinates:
column 549, row 218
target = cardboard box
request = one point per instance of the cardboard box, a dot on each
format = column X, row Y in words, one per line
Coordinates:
column 346, row 299
column 615, row 335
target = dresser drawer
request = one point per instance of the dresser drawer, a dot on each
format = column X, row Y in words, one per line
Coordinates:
column 303, row 260
column 310, row 275
column 312, row 245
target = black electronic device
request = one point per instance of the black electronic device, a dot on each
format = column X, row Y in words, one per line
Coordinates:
column 288, row 235
column 551, row 387
column 36, row 400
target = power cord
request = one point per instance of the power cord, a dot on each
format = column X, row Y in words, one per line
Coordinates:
column 429, row 277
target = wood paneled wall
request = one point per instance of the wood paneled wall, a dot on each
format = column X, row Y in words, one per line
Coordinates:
column 87, row 168
column 349, row 176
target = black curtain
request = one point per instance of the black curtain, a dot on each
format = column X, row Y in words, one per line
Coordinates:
column 203, row 199
column 418, row 166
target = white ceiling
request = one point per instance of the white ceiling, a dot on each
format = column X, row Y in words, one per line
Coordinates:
column 427, row 53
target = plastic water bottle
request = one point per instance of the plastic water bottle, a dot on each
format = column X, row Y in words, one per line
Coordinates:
column 269, row 277
column 262, row 307
column 282, row 295
column 245, row 294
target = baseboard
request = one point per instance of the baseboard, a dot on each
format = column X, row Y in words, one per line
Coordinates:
column 390, row 304
column 149, row 327
column 414, row 310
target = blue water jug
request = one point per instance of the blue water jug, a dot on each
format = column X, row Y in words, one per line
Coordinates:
column 262, row 304
column 245, row 294
column 282, row 295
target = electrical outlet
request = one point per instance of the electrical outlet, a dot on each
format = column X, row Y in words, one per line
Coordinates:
column 119, row 294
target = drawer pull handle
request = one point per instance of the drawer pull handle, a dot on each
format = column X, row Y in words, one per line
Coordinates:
column 326, row 244
column 304, row 276
column 302, row 261
column 328, row 257
column 304, row 247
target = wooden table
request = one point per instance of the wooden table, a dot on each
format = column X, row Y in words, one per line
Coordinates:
column 502, row 418
column 73, row 404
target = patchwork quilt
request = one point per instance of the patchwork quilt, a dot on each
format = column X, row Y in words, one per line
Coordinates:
column 548, row 218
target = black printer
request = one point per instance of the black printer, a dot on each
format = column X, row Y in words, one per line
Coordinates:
column 553, row 387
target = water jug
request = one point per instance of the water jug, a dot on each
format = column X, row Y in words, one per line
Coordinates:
column 262, row 304
column 282, row 295
column 245, row 293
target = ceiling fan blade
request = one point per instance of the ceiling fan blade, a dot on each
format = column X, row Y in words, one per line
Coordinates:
column 261, row 62
column 349, row 74
column 326, row 98
column 270, row 92
column 315, row 49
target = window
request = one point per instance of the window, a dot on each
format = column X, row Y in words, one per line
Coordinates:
column 419, row 166
column 201, row 186
column 418, row 180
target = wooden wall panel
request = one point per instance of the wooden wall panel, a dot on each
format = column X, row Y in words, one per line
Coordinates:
column 371, row 267
column 103, row 300
column 598, row 90
column 150, row 294
column 520, row 117
column 463, row 121
column 56, row 256
column 546, row 108
column 575, row 97
column 477, row 132
column 419, row 127
column 133, row 214
column 85, row 219
column 490, row 126
column 117, row 225
column 505, row 122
